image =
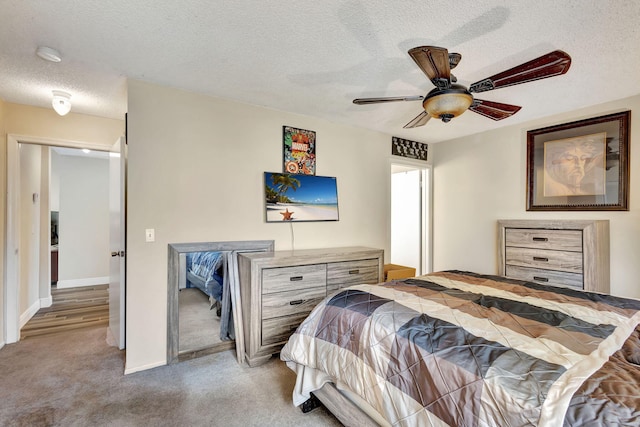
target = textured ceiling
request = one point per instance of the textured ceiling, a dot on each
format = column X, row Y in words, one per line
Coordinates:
column 314, row 57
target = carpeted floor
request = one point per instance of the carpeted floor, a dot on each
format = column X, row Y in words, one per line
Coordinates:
column 75, row 379
column 199, row 327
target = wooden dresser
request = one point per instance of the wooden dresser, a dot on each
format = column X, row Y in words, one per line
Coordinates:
column 279, row 289
column 573, row 253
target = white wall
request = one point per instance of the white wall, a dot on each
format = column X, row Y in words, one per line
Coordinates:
column 196, row 168
column 3, row 190
column 83, row 247
column 44, row 239
column 405, row 218
column 482, row 178
column 30, row 166
column 54, row 182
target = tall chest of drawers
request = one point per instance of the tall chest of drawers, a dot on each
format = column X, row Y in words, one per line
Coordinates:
column 279, row 289
column 571, row 253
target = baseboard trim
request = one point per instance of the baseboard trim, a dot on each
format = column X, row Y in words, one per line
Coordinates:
column 46, row 302
column 128, row 371
column 29, row 313
column 78, row 283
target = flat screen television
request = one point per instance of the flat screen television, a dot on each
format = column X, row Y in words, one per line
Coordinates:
column 300, row 198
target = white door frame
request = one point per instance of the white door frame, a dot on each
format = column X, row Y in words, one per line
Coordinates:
column 12, row 243
column 427, row 208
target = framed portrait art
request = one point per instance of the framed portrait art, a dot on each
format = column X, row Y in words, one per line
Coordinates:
column 579, row 166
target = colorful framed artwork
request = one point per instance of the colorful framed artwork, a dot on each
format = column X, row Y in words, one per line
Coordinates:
column 579, row 166
column 299, row 149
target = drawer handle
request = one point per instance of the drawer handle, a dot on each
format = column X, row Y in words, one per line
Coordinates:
column 539, row 258
column 295, row 278
column 354, row 271
column 296, row 302
column 540, row 239
column 540, row 279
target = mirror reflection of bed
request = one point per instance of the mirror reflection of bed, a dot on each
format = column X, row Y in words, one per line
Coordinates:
column 201, row 302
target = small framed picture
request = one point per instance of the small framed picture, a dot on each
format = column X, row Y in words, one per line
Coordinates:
column 299, row 151
column 410, row 149
column 581, row 165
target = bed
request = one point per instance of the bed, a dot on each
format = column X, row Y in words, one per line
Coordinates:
column 463, row 349
column 204, row 271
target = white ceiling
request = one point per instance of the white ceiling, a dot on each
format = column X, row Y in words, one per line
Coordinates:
column 313, row 57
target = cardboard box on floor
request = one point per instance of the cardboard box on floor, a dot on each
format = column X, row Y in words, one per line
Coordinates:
column 395, row 271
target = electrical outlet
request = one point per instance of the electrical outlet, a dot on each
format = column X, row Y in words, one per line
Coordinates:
column 150, row 235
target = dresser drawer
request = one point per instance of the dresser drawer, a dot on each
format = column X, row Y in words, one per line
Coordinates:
column 279, row 289
column 549, row 260
column 278, row 329
column 293, row 278
column 341, row 274
column 571, row 253
column 293, row 302
column 559, row 240
column 546, row 277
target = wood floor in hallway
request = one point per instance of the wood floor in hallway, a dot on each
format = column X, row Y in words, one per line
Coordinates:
column 72, row 308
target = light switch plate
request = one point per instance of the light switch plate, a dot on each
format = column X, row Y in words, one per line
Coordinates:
column 150, row 235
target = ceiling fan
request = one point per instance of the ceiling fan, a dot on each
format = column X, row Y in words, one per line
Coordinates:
column 449, row 99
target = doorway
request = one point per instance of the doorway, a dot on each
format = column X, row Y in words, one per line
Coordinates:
column 411, row 215
column 16, row 265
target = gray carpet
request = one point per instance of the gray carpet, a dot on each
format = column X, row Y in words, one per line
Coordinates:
column 199, row 327
column 75, row 379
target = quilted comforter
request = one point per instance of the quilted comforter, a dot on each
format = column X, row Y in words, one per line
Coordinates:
column 461, row 349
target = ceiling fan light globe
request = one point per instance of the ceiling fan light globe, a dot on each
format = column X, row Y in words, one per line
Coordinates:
column 448, row 103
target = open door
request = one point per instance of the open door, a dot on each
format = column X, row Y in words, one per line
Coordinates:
column 411, row 215
column 117, row 237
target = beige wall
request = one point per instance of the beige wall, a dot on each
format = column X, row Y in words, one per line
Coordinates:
column 23, row 120
column 45, row 123
column 482, row 178
column 196, row 168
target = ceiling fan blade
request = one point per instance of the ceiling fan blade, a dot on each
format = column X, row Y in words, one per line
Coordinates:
column 434, row 62
column 493, row 110
column 364, row 101
column 552, row 64
column 420, row 120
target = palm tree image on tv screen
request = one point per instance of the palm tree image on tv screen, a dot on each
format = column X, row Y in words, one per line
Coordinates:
column 299, row 198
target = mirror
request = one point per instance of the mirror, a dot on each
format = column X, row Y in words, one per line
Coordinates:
column 201, row 323
column 203, row 298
